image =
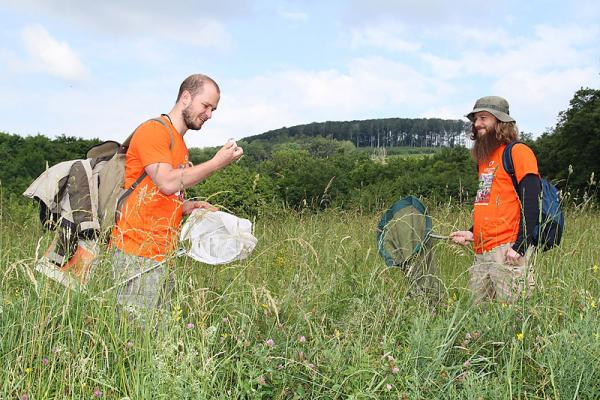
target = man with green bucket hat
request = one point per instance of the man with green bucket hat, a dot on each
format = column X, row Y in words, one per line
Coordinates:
column 503, row 221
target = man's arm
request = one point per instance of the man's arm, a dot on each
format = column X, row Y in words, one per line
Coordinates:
column 170, row 180
column 462, row 237
column 529, row 194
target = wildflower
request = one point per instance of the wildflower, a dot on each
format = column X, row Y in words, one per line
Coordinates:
column 97, row 392
column 388, row 387
column 337, row 334
column 190, row 325
column 595, row 268
column 467, row 364
column 28, row 370
column 302, row 339
column 520, row 336
column 24, row 396
column 593, row 304
column 395, row 370
column 44, row 361
column 270, row 342
column 177, row 314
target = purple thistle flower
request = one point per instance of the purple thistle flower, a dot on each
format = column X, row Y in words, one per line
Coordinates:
column 270, row 342
column 302, row 339
column 190, row 325
column 97, row 392
column 45, row 361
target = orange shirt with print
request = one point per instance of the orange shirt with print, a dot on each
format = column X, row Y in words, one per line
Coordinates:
column 150, row 219
column 497, row 210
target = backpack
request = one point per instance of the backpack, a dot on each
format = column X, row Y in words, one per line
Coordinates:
column 549, row 228
column 111, row 178
column 81, row 199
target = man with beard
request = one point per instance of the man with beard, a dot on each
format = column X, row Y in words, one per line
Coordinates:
column 503, row 221
column 147, row 229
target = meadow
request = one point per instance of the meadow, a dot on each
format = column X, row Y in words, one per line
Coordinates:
column 313, row 313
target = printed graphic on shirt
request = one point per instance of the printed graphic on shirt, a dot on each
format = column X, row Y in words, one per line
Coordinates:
column 485, row 185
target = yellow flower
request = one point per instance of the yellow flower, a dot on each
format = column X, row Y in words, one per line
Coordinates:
column 28, row 370
column 520, row 336
column 593, row 305
column 337, row 334
column 177, row 313
column 595, row 268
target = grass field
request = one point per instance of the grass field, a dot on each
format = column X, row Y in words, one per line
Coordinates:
column 312, row 314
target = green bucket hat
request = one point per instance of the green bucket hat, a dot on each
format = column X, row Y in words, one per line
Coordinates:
column 495, row 105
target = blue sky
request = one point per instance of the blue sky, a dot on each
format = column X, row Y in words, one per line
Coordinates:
column 99, row 68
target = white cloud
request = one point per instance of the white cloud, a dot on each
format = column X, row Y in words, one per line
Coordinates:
column 52, row 56
column 384, row 36
column 179, row 21
column 536, row 96
column 366, row 88
column 297, row 16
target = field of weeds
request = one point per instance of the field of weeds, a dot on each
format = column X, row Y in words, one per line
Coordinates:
column 312, row 313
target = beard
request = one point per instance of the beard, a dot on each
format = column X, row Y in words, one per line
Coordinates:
column 485, row 145
column 190, row 120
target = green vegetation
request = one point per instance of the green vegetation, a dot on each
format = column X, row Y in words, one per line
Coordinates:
column 385, row 132
column 570, row 150
column 313, row 313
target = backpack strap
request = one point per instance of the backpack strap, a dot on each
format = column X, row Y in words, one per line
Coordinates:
column 507, row 163
column 123, row 149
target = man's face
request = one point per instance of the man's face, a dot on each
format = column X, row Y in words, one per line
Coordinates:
column 483, row 122
column 201, row 107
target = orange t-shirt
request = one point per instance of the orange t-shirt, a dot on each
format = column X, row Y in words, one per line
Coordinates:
column 150, row 219
column 497, row 210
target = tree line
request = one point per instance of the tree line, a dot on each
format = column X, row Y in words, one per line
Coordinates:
column 320, row 165
column 385, row 132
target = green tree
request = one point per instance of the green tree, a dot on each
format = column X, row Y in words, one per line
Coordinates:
column 574, row 142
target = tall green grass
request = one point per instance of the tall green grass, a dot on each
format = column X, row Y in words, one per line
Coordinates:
column 313, row 313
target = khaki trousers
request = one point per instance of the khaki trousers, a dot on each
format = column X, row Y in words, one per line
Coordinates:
column 147, row 288
column 492, row 278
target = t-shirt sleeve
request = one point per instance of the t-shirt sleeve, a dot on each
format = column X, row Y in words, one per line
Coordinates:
column 524, row 161
column 151, row 144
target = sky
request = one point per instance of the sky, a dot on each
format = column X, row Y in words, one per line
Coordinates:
column 96, row 69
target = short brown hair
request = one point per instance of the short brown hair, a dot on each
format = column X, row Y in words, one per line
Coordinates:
column 194, row 84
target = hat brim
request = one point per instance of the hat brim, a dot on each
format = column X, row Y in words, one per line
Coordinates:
column 498, row 114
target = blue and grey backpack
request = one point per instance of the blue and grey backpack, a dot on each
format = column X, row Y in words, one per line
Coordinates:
column 549, row 229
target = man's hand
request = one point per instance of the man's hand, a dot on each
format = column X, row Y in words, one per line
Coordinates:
column 227, row 154
column 462, row 237
column 191, row 205
column 171, row 180
column 512, row 257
